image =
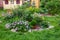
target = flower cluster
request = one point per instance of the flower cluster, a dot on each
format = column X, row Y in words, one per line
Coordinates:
column 18, row 25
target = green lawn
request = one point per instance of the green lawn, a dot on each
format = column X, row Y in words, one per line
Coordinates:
column 54, row 20
column 52, row 34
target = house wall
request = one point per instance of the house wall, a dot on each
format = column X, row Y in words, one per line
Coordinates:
column 11, row 6
column 1, row 4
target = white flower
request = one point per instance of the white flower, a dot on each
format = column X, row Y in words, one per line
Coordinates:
column 18, row 23
column 14, row 23
column 8, row 25
column 26, row 23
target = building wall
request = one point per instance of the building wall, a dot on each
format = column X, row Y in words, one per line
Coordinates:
column 1, row 4
column 11, row 6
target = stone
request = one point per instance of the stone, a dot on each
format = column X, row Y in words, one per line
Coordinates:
column 30, row 30
column 51, row 26
column 16, row 28
column 13, row 30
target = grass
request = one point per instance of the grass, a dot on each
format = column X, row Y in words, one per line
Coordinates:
column 52, row 34
column 53, row 20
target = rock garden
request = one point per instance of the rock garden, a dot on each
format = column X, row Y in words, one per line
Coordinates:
column 25, row 20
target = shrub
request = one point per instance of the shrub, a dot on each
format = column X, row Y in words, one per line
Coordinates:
column 18, row 12
column 38, row 19
column 33, row 10
column 33, row 23
column 28, row 17
column 44, row 24
column 52, row 6
column 8, row 17
column 26, row 5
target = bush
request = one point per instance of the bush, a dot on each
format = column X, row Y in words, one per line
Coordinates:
column 33, row 10
column 33, row 23
column 18, row 12
column 40, row 22
column 26, row 5
column 52, row 6
column 44, row 24
column 38, row 19
column 28, row 17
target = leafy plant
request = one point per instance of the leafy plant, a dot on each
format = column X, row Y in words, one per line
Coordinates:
column 52, row 6
column 44, row 24
column 28, row 17
column 38, row 19
column 33, row 23
column 18, row 12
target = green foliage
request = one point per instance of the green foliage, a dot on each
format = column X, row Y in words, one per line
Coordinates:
column 8, row 17
column 18, row 12
column 21, row 28
column 53, row 6
column 33, row 9
column 44, row 24
column 25, row 14
column 38, row 19
column 26, row 5
column 29, row 17
column 40, row 22
column 33, row 23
